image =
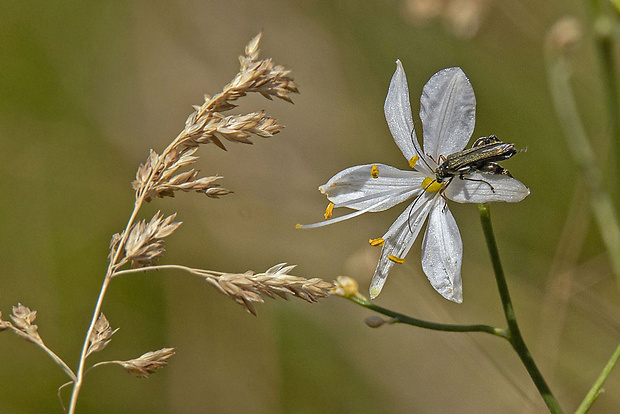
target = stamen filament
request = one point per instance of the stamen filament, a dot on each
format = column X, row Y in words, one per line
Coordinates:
column 339, row 219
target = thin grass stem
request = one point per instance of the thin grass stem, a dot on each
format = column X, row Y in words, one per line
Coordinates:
column 596, row 389
column 104, row 287
column 583, row 155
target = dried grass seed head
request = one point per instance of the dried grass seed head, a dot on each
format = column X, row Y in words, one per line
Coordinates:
column 247, row 288
column 23, row 319
column 147, row 363
column 101, row 335
column 156, row 177
column 206, row 124
column 4, row 324
column 145, row 242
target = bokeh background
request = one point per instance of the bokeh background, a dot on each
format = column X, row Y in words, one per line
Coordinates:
column 86, row 88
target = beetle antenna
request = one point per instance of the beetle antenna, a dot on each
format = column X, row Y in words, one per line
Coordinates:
column 417, row 152
column 415, row 201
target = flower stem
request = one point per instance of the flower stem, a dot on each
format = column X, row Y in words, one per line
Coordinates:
column 596, row 388
column 514, row 334
column 400, row 318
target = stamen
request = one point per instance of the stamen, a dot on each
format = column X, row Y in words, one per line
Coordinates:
column 413, row 161
column 431, row 185
column 338, row 219
column 374, row 171
column 376, row 242
column 328, row 211
column 396, row 259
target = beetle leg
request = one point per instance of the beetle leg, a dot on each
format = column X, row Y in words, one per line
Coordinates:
column 494, row 168
column 462, row 177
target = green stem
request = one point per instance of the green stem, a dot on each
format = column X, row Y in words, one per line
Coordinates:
column 616, row 6
column 603, row 29
column 400, row 318
column 606, row 48
column 514, row 334
column 596, row 388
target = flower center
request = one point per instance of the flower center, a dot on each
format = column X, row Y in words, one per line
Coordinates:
column 431, row 185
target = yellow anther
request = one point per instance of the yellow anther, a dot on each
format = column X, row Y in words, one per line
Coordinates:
column 328, row 211
column 297, row 226
column 431, row 185
column 376, row 242
column 396, row 259
column 374, row 171
column 413, row 161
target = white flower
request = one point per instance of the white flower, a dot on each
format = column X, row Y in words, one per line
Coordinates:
column 447, row 111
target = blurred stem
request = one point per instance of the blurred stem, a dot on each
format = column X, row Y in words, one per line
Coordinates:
column 605, row 45
column 603, row 31
column 596, row 388
column 583, row 155
column 400, row 318
column 514, row 334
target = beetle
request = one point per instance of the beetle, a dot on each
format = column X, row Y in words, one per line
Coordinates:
column 481, row 157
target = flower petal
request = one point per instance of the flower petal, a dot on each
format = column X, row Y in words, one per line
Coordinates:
column 448, row 112
column 400, row 237
column 442, row 253
column 355, row 187
column 398, row 116
column 468, row 190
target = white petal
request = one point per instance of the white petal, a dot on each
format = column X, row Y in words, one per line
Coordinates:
column 442, row 253
column 398, row 115
column 448, row 112
column 355, row 188
column 400, row 237
column 504, row 189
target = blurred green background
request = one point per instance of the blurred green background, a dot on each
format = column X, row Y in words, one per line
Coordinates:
column 86, row 88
